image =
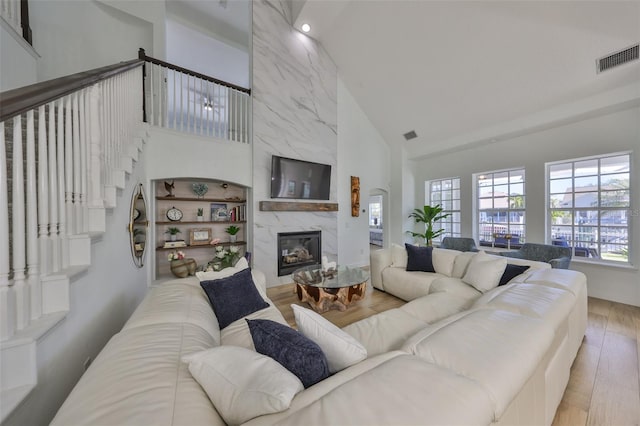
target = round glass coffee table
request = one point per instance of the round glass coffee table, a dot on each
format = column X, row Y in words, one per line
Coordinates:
column 334, row 289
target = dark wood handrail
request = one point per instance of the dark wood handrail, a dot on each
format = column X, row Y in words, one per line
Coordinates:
column 144, row 57
column 17, row 101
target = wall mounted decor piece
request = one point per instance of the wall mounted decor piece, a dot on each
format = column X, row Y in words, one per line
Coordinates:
column 355, row 196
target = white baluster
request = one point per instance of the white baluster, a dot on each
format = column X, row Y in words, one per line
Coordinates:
column 62, row 213
column 54, row 260
column 43, row 214
column 175, row 106
column 77, row 168
column 7, row 294
column 69, row 169
column 19, row 228
column 181, row 104
column 82, row 105
column 95, row 149
column 33, row 245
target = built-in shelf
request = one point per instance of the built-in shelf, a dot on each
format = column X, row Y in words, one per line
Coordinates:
column 184, row 222
column 297, row 206
column 216, row 200
column 207, row 246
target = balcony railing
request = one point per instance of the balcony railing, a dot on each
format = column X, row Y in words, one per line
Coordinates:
column 188, row 101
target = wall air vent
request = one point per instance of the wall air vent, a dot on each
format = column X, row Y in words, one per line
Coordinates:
column 618, row 58
column 410, row 135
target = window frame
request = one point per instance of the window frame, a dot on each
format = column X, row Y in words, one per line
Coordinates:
column 449, row 221
column 587, row 254
column 507, row 231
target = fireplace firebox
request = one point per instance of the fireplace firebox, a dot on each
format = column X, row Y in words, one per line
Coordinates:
column 297, row 249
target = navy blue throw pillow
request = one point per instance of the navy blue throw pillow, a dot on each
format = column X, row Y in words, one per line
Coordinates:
column 233, row 297
column 419, row 258
column 292, row 349
column 510, row 272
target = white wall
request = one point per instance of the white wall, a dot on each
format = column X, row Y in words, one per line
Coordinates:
column 73, row 36
column 363, row 153
column 101, row 300
column 294, row 115
column 17, row 59
column 206, row 54
column 613, row 132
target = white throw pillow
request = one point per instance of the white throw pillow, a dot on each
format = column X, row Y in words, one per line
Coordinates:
column 241, row 383
column 484, row 272
column 399, row 256
column 341, row 349
column 223, row 273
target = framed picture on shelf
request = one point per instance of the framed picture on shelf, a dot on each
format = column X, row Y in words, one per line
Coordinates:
column 200, row 236
column 219, row 212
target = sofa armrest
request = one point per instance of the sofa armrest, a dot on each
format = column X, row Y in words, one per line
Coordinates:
column 379, row 260
column 560, row 262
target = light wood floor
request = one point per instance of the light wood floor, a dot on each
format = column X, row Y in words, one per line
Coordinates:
column 604, row 387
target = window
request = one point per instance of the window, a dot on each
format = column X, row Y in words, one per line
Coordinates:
column 446, row 192
column 501, row 208
column 588, row 206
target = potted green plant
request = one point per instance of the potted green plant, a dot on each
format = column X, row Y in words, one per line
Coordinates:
column 200, row 216
column 232, row 231
column 428, row 215
column 173, row 233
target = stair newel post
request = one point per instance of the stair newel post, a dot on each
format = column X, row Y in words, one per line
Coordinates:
column 77, row 167
column 7, row 294
column 82, row 105
column 62, row 211
column 19, row 227
column 33, row 245
column 54, row 261
column 43, row 214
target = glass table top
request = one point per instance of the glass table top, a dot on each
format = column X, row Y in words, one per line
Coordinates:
column 342, row 277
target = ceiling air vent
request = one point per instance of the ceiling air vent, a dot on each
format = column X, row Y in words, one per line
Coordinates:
column 618, row 58
column 410, row 135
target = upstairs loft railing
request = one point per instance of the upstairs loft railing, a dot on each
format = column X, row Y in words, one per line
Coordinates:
column 62, row 149
column 16, row 14
column 185, row 100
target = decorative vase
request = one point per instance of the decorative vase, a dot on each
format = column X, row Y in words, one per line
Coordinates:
column 233, row 238
column 182, row 268
column 200, row 218
column 173, row 237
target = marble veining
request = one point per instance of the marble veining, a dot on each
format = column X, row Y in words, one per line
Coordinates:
column 294, row 115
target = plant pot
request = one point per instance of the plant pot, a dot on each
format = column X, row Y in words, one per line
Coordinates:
column 200, row 218
column 233, row 238
column 173, row 237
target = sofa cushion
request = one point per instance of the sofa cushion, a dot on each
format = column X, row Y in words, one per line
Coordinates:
column 385, row 331
column 512, row 271
column 237, row 333
column 408, row 285
column 404, row 390
column 499, row 350
column 443, row 260
column 233, row 297
column 341, row 349
column 454, row 286
column 419, row 258
column 435, row 306
column 399, row 256
column 484, row 272
column 461, row 263
column 242, row 384
column 292, row 349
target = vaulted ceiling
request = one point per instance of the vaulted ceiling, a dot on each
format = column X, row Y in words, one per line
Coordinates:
column 461, row 73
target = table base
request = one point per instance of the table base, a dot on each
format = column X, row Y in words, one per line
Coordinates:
column 325, row 299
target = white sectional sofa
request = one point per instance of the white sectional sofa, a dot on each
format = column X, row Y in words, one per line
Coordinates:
column 451, row 355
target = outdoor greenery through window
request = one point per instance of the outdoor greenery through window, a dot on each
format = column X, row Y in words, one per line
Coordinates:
column 446, row 192
column 501, row 208
column 589, row 204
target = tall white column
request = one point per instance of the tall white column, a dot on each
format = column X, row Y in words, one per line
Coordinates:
column 19, row 227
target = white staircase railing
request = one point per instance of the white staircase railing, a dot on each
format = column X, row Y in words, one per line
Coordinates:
column 61, row 162
column 181, row 99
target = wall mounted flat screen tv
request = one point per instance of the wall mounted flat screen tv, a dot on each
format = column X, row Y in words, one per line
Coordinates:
column 299, row 179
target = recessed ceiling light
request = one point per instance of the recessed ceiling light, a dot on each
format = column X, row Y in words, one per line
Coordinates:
column 306, row 28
